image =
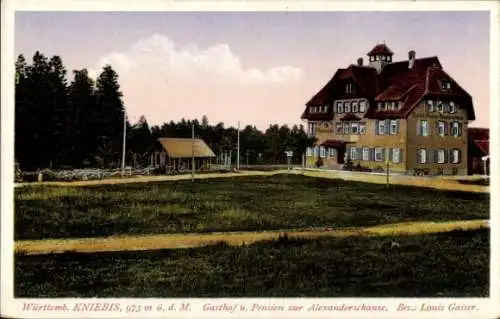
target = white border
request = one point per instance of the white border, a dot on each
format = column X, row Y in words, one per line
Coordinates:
column 13, row 308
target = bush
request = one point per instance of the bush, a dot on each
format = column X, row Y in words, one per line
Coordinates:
column 319, row 162
column 348, row 166
column 378, row 169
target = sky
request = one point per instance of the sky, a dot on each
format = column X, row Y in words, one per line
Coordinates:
column 258, row 68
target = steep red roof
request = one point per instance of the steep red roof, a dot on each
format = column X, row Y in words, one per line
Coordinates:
column 484, row 146
column 476, row 133
column 396, row 82
column 380, row 49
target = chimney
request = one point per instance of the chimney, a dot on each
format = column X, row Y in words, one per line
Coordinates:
column 411, row 59
column 360, row 61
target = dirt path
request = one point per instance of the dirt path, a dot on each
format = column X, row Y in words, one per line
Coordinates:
column 151, row 242
column 159, row 178
column 438, row 183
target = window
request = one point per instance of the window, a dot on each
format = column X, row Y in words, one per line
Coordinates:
column 349, row 88
column 346, row 127
column 456, row 129
column 445, row 85
column 423, row 128
column 353, row 153
column 362, row 106
column 340, row 107
column 379, row 156
column 396, row 154
column 440, row 157
column 394, row 127
column 372, row 59
column 311, row 128
column 362, row 128
column 380, row 105
column 339, row 128
column 366, row 154
column 452, row 107
column 309, row 151
column 430, row 106
column 316, row 151
column 347, row 107
column 381, row 127
column 390, row 105
column 422, row 156
column 455, row 156
column 440, row 107
column 331, row 152
column 440, row 128
column 322, row 151
column 354, row 107
column 354, row 128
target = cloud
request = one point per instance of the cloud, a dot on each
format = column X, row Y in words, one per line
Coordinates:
column 158, row 53
column 166, row 81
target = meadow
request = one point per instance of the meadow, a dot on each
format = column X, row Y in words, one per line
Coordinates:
column 250, row 203
column 453, row 264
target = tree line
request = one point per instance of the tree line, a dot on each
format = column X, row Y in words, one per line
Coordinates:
column 80, row 123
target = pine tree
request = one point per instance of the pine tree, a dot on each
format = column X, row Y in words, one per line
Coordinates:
column 110, row 112
column 23, row 134
column 56, row 112
column 82, row 113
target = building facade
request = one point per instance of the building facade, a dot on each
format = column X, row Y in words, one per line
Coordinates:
column 410, row 115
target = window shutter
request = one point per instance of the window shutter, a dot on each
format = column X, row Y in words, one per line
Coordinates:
column 387, row 127
column 400, row 155
column 419, row 132
column 397, row 126
column 390, row 154
column 460, row 156
column 376, row 127
column 360, row 153
column 371, row 153
column 446, row 128
column 383, row 154
column 446, row 155
column 431, row 154
column 459, row 129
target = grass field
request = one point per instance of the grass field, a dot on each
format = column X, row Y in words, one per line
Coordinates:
column 454, row 264
column 231, row 204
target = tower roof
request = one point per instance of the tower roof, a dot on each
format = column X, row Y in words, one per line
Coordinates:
column 380, row 49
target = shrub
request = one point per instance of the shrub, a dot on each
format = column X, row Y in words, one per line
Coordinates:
column 319, row 162
column 348, row 166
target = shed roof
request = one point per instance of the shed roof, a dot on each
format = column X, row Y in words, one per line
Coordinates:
column 186, row 147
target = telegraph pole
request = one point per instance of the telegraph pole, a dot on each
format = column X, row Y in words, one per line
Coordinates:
column 124, row 140
column 387, row 167
column 192, row 153
column 238, row 149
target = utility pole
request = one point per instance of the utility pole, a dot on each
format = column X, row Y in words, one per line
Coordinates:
column 192, row 153
column 387, row 167
column 124, row 140
column 238, row 149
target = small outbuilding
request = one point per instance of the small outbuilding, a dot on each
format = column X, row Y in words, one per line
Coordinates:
column 176, row 154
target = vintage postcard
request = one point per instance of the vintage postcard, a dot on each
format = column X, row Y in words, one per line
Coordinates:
column 183, row 159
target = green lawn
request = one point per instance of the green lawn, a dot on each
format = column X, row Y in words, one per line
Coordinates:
column 454, row 264
column 231, row 204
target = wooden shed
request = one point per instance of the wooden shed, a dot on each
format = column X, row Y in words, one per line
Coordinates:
column 176, row 154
